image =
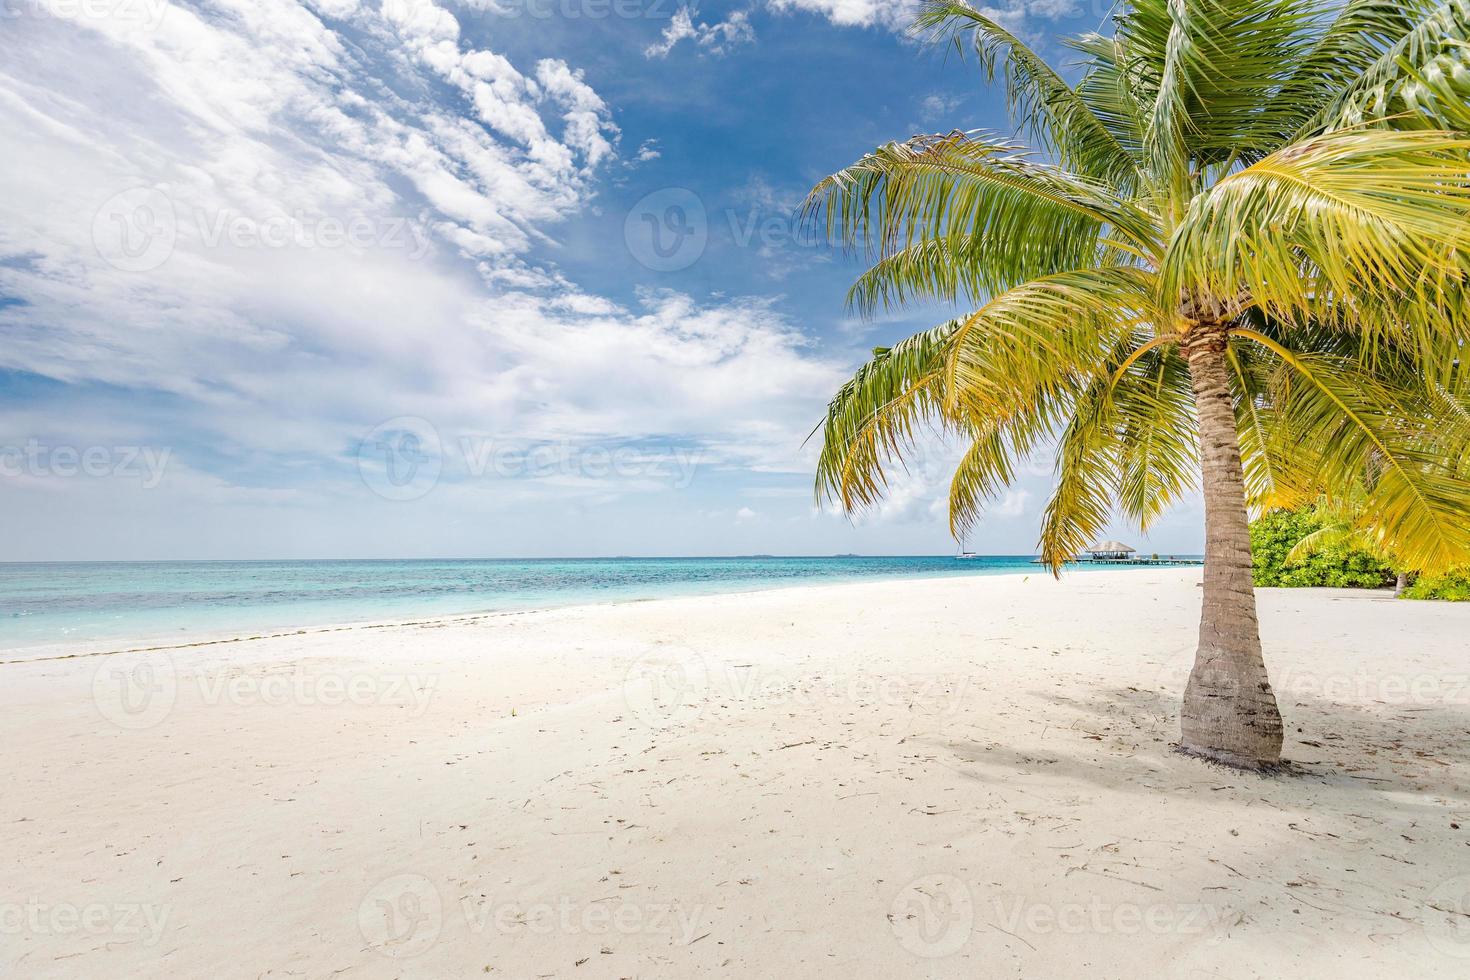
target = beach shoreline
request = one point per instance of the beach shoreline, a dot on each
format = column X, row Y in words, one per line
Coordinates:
column 941, row 777
column 485, row 599
column 152, row 643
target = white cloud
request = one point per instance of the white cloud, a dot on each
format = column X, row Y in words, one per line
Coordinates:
column 278, row 336
column 892, row 14
column 939, row 106
column 1013, row 503
column 335, row 8
column 898, row 15
column 586, row 115
column 647, row 151
column 716, row 38
column 681, row 27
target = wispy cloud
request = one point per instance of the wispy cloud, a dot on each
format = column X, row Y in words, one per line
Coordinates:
column 898, row 15
column 718, row 38
column 893, row 14
column 295, row 231
column 647, row 151
column 938, row 106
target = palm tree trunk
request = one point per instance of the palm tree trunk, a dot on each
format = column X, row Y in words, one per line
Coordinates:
column 1400, row 584
column 1230, row 713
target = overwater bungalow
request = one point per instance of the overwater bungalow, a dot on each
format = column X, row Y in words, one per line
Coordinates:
column 1111, row 551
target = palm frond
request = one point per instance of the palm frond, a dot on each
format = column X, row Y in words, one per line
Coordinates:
column 1016, row 367
column 1368, row 227
column 1158, row 454
column 1087, row 466
column 1047, row 109
column 1339, row 534
column 1422, row 79
column 1352, row 430
column 963, row 186
column 1109, row 87
column 873, row 418
column 1351, row 45
column 988, row 466
column 1211, row 67
column 1034, row 341
column 966, row 269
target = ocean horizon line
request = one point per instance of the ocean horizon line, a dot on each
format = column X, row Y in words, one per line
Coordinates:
column 508, row 558
column 533, row 558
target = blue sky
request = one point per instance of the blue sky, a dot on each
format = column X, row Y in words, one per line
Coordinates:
column 461, row 278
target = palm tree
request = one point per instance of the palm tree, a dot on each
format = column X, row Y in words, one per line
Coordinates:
column 1241, row 212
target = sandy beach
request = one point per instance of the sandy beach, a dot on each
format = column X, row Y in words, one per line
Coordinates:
column 940, row 778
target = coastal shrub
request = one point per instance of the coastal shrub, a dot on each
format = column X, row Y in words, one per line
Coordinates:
column 1452, row 586
column 1276, row 533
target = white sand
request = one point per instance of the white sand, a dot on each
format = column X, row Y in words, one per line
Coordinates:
column 949, row 778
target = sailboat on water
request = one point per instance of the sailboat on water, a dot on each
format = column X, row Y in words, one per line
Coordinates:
column 965, row 553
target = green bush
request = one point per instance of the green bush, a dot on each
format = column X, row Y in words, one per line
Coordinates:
column 1453, row 586
column 1276, row 533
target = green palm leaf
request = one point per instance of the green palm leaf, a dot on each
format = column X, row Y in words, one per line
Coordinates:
column 1048, row 110
column 1429, row 59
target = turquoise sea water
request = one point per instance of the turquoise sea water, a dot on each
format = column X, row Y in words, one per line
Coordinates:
column 101, row 603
